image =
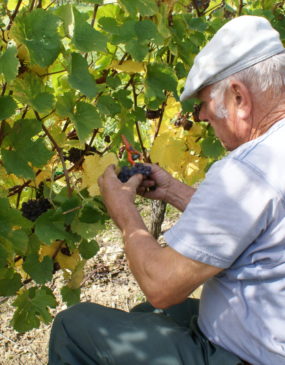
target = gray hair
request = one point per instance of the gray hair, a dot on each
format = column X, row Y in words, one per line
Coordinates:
column 267, row 75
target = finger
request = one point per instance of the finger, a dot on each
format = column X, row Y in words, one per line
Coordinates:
column 110, row 170
column 135, row 181
column 147, row 183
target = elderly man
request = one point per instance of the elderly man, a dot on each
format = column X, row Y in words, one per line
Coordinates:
column 231, row 235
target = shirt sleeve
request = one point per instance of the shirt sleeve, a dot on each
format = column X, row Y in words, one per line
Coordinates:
column 227, row 213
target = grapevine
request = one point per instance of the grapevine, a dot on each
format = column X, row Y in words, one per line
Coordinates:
column 74, row 78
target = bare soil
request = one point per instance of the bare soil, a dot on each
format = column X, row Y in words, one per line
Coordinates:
column 108, row 281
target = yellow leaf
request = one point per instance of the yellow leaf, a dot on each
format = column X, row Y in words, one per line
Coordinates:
column 128, row 66
column 93, row 167
column 77, row 275
column 171, row 155
column 49, row 250
column 192, row 145
column 13, row 3
column 68, row 262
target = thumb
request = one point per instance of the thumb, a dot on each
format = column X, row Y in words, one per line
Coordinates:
column 135, row 181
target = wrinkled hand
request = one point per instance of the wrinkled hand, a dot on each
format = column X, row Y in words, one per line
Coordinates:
column 160, row 181
column 118, row 197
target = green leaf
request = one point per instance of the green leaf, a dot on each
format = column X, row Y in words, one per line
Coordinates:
column 144, row 7
column 9, row 218
column 86, row 119
column 32, row 306
column 65, row 105
column 122, row 96
column 86, row 230
column 7, row 107
column 70, row 296
column 16, row 164
column 211, row 147
column 38, row 31
column 9, row 64
column 42, row 271
column 80, row 78
column 19, row 241
column 107, row 105
column 125, row 32
column 3, row 256
column 90, row 214
column 65, row 12
column 198, row 24
column 30, row 90
column 50, row 227
column 88, row 249
column 85, row 37
column 137, row 50
column 146, row 31
column 37, row 153
column 43, row 102
column 160, row 77
column 10, row 282
column 25, row 150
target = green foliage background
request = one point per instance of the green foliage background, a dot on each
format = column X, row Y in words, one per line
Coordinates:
column 61, row 87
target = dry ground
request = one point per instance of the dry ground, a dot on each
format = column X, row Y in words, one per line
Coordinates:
column 108, row 281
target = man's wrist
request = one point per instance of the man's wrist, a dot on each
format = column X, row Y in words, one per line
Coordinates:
column 179, row 194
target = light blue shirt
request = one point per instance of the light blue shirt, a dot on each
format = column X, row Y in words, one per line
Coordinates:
column 236, row 221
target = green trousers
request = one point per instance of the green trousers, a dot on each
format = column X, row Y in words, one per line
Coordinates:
column 90, row 334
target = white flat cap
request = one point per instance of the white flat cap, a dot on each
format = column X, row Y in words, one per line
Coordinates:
column 240, row 43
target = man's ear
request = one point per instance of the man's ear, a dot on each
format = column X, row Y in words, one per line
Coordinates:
column 241, row 98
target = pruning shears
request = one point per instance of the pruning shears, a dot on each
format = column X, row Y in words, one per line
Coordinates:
column 132, row 153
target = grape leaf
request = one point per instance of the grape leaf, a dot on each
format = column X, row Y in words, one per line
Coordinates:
column 80, row 78
column 10, row 282
column 65, row 105
column 146, row 31
column 137, row 50
column 50, row 227
column 85, row 37
column 25, row 150
column 32, row 305
column 160, row 77
column 9, row 64
column 91, row 214
column 39, row 271
column 9, row 218
column 86, row 119
column 38, row 31
column 90, row 175
column 211, row 147
column 15, row 163
column 144, row 7
column 7, row 107
column 107, row 105
column 30, row 90
column 88, row 249
column 70, row 296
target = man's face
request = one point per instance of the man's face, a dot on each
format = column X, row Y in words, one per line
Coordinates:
column 227, row 129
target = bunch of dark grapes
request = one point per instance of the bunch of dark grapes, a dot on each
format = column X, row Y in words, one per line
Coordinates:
column 127, row 172
column 74, row 155
column 33, row 208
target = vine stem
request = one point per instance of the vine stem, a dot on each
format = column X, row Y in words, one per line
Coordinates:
column 137, row 123
column 160, row 120
column 96, row 6
column 13, row 16
column 60, row 153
